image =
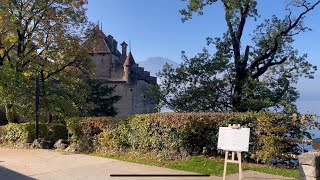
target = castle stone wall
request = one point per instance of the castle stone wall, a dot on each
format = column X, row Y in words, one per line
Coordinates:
column 103, row 64
column 142, row 104
column 124, row 105
column 109, row 64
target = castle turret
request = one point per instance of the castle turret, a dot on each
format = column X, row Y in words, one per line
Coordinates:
column 124, row 46
column 110, row 42
column 128, row 68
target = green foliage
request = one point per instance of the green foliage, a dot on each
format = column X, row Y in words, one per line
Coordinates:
column 178, row 135
column 74, row 129
column 100, row 101
column 25, row 132
column 15, row 132
column 94, row 125
column 57, row 131
column 260, row 75
column 43, row 39
column 87, row 131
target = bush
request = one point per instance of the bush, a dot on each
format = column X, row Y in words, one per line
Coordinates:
column 74, row 129
column 15, row 133
column 178, row 135
column 57, row 131
column 25, row 132
column 2, row 134
column 84, row 131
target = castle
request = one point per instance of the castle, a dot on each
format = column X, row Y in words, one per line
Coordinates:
column 119, row 69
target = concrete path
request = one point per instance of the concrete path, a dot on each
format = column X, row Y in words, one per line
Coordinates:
column 25, row 164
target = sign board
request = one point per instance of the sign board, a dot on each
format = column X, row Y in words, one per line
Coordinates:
column 232, row 139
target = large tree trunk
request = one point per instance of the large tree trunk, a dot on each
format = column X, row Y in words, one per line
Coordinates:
column 50, row 118
column 3, row 119
column 240, row 82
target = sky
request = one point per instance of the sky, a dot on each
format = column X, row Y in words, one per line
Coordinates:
column 155, row 29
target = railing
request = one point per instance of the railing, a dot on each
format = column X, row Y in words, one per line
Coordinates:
column 315, row 144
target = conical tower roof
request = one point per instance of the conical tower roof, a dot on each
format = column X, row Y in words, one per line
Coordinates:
column 129, row 60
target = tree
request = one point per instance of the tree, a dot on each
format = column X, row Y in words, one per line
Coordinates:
column 43, row 39
column 100, row 101
column 239, row 77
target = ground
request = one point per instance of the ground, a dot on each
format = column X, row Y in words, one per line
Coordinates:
column 47, row 164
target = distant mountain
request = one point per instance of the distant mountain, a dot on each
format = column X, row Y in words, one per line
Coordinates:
column 155, row 64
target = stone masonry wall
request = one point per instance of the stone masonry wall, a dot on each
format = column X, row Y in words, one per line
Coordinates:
column 309, row 166
column 102, row 63
column 124, row 105
column 142, row 104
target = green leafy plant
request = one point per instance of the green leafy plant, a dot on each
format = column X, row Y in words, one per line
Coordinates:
column 85, row 131
column 25, row 132
column 178, row 135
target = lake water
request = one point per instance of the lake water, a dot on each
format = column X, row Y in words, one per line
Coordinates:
column 310, row 106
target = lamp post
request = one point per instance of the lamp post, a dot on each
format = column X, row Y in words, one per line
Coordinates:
column 1, row 57
column 37, row 108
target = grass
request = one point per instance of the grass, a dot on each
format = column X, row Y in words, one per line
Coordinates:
column 201, row 164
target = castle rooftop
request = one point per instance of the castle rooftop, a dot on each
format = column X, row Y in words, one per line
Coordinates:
column 129, row 60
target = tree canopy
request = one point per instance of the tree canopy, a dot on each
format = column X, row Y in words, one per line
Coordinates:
column 237, row 76
column 42, row 39
column 100, row 101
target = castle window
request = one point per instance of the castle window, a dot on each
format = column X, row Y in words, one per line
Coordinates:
column 131, row 90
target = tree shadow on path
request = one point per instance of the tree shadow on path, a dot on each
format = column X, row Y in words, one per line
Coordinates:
column 12, row 175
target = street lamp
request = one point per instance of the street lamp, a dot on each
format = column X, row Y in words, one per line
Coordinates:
column 37, row 108
column 1, row 50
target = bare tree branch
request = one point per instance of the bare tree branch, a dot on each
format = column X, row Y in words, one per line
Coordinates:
column 283, row 33
column 264, row 68
column 61, row 68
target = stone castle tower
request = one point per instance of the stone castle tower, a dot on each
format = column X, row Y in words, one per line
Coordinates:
column 120, row 69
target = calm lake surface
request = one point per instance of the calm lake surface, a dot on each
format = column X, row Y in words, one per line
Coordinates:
column 310, row 106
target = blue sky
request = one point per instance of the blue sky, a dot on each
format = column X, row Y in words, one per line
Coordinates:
column 154, row 28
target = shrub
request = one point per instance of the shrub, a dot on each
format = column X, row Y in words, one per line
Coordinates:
column 178, row 135
column 15, row 133
column 74, row 128
column 84, row 131
column 57, row 131
column 2, row 134
column 25, row 132
column 94, row 125
column 174, row 135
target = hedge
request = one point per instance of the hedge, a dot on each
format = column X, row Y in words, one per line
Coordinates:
column 178, row 135
column 25, row 132
column 85, row 131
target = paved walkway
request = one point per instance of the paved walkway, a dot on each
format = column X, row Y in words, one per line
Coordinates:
column 25, row 164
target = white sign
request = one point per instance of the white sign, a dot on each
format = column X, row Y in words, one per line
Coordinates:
column 231, row 139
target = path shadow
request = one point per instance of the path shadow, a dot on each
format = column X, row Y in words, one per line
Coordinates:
column 12, row 175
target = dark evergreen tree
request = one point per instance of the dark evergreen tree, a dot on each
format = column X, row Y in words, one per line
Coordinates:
column 101, row 100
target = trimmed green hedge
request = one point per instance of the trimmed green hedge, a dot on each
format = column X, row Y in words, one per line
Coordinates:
column 85, row 131
column 178, row 135
column 25, row 132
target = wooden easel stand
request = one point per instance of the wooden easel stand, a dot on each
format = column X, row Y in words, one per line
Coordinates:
column 226, row 160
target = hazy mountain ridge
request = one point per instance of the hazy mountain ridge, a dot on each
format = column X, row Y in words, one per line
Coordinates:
column 155, row 64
